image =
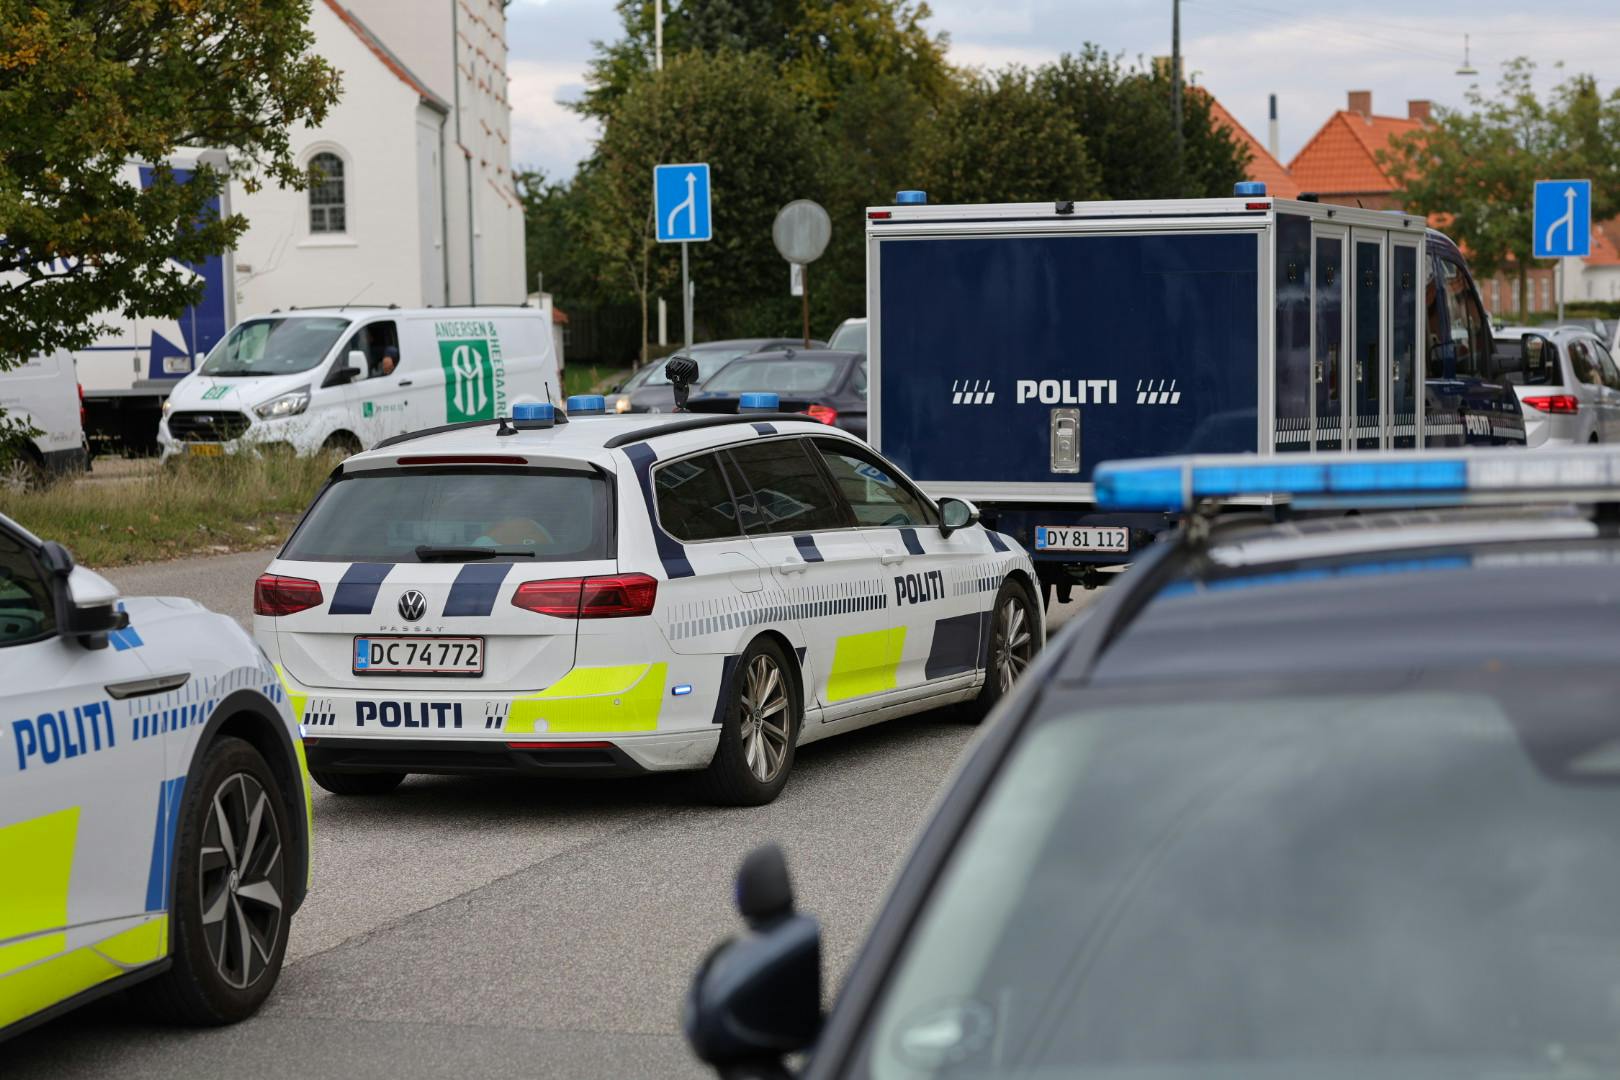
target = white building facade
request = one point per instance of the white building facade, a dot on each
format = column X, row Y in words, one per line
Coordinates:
column 415, row 204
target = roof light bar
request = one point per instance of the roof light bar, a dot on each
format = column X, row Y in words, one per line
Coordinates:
column 1388, row 479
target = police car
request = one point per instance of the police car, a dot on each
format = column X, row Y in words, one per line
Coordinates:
column 154, row 808
column 1300, row 796
column 578, row 593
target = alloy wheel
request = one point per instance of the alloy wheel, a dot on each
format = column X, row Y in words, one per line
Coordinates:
column 240, row 875
column 1015, row 644
column 764, row 721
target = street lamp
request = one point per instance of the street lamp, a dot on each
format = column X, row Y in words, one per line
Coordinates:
column 1467, row 68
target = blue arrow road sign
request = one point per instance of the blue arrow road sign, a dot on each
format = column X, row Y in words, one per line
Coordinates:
column 1563, row 218
column 681, row 202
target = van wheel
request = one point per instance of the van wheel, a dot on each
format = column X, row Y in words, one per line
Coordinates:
column 228, row 918
column 1014, row 640
column 758, row 732
column 342, row 443
column 357, row 783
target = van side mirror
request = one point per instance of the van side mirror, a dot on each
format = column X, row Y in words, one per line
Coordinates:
column 956, row 514
column 757, row 997
column 353, row 371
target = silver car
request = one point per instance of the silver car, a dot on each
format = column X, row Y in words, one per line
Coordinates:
column 1567, row 383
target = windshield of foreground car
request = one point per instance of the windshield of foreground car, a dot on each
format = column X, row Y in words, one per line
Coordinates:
column 1423, row 882
column 799, row 375
column 274, row 346
column 427, row 515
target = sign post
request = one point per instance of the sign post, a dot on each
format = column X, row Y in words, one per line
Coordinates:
column 801, row 231
column 1563, row 225
column 681, row 214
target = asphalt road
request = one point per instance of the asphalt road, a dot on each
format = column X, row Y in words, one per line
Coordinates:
column 477, row 927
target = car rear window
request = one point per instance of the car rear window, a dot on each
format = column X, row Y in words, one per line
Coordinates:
column 541, row 515
column 800, row 375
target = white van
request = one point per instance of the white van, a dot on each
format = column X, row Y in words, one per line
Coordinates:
column 44, row 394
column 318, row 378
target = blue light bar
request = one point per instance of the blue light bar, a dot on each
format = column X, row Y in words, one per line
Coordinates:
column 911, row 197
column 1409, row 478
column 1248, row 188
column 759, row 402
column 537, row 413
column 586, row 405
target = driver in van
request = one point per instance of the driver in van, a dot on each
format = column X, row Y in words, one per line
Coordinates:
column 390, row 360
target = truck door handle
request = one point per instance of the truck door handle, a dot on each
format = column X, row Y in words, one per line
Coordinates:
column 405, row 382
column 889, row 558
column 793, row 566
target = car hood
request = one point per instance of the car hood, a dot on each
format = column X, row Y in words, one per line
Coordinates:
column 228, row 393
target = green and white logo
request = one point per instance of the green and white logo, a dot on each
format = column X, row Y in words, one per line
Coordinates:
column 368, row 408
column 474, row 371
column 213, row 393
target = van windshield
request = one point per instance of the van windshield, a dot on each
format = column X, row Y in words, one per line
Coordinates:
column 280, row 346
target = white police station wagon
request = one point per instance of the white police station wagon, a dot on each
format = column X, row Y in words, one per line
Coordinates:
column 154, row 806
column 582, row 593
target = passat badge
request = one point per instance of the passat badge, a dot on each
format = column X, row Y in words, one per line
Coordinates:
column 412, row 606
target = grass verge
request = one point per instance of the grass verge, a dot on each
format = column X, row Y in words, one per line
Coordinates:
column 194, row 506
column 588, row 379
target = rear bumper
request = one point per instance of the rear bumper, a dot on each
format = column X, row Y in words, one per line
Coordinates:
column 517, row 755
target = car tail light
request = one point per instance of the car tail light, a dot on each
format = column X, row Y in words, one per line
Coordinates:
column 81, row 403
column 1555, row 403
column 609, row 597
column 274, row 594
column 824, row 413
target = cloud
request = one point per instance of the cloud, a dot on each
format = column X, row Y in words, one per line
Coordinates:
column 545, row 133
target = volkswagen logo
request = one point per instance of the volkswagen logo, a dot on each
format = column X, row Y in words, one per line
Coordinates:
column 412, row 606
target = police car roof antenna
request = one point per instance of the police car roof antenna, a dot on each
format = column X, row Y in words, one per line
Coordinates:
column 682, row 372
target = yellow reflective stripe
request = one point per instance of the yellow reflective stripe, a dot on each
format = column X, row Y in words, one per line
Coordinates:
column 296, row 701
column 865, row 664
column 27, row 991
column 590, row 700
column 38, row 856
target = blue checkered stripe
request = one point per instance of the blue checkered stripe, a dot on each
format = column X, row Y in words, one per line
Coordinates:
column 720, row 614
column 192, row 704
column 978, row 577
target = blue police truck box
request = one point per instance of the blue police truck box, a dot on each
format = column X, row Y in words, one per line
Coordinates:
column 1013, row 347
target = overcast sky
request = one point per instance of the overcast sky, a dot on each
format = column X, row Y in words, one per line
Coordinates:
column 1241, row 50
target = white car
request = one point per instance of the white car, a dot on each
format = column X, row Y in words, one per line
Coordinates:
column 154, row 804
column 346, row 378
column 619, row 594
column 1567, row 383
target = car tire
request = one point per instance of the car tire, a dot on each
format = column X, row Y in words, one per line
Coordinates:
column 341, row 443
column 755, row 755
column 227, row 904
column 357, row 783
column 1013, row 617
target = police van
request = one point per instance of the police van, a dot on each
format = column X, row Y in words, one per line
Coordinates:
column 342, row 379
column 1070, row 333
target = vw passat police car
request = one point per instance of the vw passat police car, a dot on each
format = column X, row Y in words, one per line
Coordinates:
column 577, row 593
column 154, row 809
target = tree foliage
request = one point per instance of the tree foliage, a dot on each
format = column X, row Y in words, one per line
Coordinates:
column 88, row 85
column 1478, row 166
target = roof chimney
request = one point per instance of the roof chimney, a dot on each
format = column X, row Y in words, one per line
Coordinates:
column 1361, row 102
column 1271, row 133
column 1419, row 110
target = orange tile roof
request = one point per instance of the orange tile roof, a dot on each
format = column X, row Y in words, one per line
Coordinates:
column 1262, row 166
column 1340, row 157
column 1605, row 252
column 386, row 55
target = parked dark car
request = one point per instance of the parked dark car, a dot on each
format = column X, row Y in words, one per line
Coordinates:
column 830, row 385
column 649, row 391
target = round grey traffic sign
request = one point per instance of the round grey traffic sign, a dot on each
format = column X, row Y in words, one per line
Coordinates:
column 801, row 231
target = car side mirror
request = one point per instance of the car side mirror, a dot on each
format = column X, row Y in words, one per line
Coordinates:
column 86, row 603
column 956, row 514
column 1536, row 351
column 757, row 998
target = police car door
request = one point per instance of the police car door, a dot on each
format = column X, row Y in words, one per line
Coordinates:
column 931, row 581
column 824, row 570
column 83, row 837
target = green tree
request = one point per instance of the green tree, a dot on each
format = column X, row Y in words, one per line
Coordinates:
column 1477, row 166
column 89, row 85
column 730, row 111
column 1000, row 139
